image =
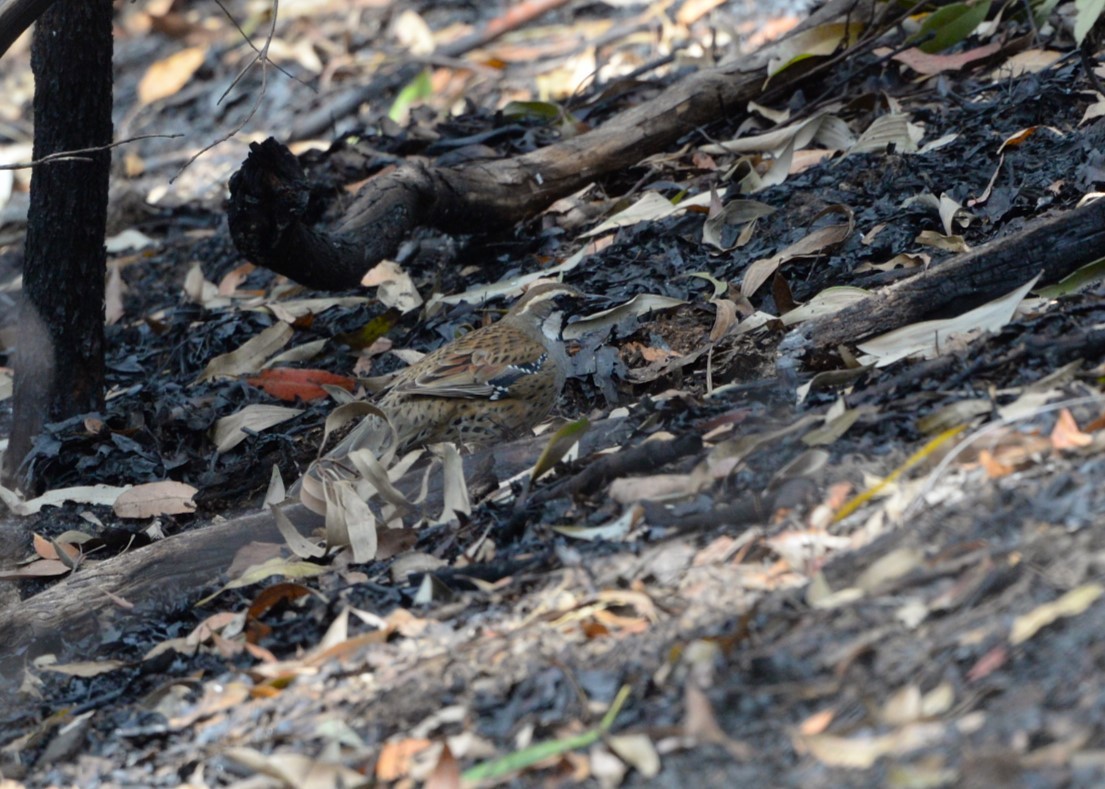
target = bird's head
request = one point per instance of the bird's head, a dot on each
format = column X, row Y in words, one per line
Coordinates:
column 548, row 305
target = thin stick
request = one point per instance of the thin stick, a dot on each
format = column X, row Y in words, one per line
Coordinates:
column 262, row 56
column 75, row 155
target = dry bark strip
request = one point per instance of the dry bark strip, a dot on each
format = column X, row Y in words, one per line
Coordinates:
column 1054, row 246
column 269, row 193
column 178, row 569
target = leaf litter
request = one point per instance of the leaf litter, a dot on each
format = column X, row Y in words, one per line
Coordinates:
column 892, row 612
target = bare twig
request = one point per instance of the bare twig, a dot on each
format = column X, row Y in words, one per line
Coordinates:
column 253, row 46
column 262, row 57
column 75, row 155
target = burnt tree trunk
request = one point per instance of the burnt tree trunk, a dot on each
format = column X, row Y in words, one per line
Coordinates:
column 59, row 360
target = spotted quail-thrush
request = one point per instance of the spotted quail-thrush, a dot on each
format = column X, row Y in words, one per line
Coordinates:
column 492, row 384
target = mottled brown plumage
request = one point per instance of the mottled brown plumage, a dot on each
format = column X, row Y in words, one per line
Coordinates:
column 492, row 384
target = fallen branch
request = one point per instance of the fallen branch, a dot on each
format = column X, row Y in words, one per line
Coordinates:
column 1055, row 245
column 268, row 194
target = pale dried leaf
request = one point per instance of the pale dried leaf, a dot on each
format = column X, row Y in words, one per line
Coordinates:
column 128, row 239
column 167, row 497
column 81, row 494
column 85, row 668
column 251, row 356
column 616, row 530
column 894, row 132
column 295, row 769
column 349, row 520
column 735, row 214
column 1028, row 62
column 43, row 568
column 197, row 289
column 928, row 337
column 455, row 488
column 377, row 480
column 932, row 238
column 276, row 492
column 827, row 302
column 289, row 311
column 230, row 431
column 558, row 447
column 299, row 545
column 113, row 295
column 167, row 76
column 814, row 42
column 827, row 129
column 636, row 750
column 641, row 304
column 298, row 353
column 816, row 242
column 276, row 566
column 903, row 706
column 650, row 207
column 858, row 753
column 1073, row 603
column 394, row 286
column 656, row 487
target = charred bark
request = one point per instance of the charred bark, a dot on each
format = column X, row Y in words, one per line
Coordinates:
column 1052, row 246
column 59, row 361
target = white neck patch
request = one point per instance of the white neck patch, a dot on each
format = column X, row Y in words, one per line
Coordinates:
column 553, row 325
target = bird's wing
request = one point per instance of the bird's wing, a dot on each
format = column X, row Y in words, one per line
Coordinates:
column 470, row 373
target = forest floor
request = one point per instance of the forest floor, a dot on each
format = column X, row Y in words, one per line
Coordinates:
column 890, row 573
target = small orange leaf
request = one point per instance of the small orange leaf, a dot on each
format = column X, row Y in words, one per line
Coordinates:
column 165, row 77
column 47, row 549
column 988, row 663
column 1066, row 434
column 299, row 383
column 817, row 723
column 395, row 758
column 994, row 467
column 43, row 568
column 272, row 595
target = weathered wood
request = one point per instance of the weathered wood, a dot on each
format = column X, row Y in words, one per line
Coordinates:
column 267, row 200
column 1054, row 246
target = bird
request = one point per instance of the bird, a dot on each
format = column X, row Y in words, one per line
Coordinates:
column 491, row 384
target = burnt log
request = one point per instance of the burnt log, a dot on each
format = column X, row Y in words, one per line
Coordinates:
column 268, row 194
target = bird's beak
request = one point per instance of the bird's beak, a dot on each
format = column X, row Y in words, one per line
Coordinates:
column 587, row 304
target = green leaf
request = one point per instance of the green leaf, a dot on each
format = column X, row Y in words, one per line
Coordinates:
column 822, row 40
column 563, row 439
column 950, row 25
column 543, row 111
column 371, row 331
column 417, row 89
column 1075, row 281
column 535, row 754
